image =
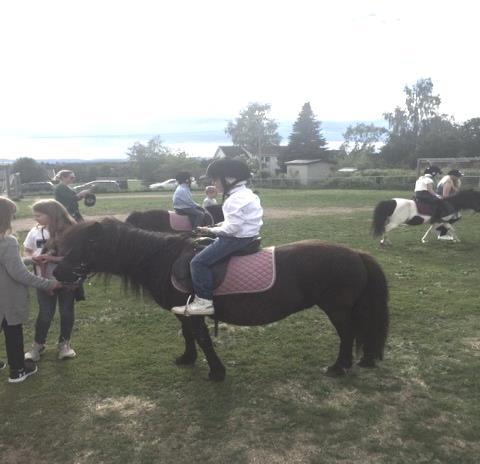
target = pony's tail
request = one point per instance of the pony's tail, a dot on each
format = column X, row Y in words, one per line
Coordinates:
column 382, row 211
column 371, row 311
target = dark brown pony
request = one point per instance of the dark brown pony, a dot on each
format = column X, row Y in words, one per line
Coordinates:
column 348, row 285
column 159, row 219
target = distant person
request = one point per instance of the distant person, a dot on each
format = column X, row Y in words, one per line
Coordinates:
column 65, row 195
column 450, row 184
column 211, row 198
column 40, row 245
column 183, row 201
column 14, row 305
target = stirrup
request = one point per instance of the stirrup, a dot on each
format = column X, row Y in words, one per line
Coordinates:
column 185, row 307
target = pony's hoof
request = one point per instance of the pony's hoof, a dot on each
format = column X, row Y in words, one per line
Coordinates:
column 217, row 376
column 336, row 371
column 366, row 363
column 185, row 360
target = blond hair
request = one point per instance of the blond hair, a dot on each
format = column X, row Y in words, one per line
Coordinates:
column 210, row 188
column 7, row 210
column 63, row 173
column 58, row 218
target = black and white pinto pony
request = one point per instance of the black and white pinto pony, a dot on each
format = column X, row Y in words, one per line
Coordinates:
column 389, row 214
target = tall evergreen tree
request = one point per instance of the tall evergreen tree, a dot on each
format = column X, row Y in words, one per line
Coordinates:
column 306, row 140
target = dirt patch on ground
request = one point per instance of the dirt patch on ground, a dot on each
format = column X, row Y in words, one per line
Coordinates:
column 20, row 456
column 20, row 225
column 285, row 213
column 270, row 213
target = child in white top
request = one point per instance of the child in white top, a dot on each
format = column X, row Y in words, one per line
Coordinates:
column 40, row 245
column 211, row 198
column 243, row 219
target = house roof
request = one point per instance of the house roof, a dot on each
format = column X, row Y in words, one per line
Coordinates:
column 312, row 161
column 234, row 150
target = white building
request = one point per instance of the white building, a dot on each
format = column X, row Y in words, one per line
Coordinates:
column 308, row 171
column 267, row 161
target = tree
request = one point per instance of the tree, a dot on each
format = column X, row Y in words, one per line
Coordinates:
column 408, row 124
column 253, row 129
column 146, row 159
column 362, row 138
column 470, row 133
column 155, row 161
column 420, row 106
column 306, row 140
column 439, row 137
column 359, row 145
column 30, row 170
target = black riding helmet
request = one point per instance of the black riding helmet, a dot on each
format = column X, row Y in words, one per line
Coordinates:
column 432, row 170
column 228, row 171
column 183, row 177
column 455, row 172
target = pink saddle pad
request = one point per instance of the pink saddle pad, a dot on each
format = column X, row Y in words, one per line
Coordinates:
column 179, row 222
column 246, row 274
column 424, row 208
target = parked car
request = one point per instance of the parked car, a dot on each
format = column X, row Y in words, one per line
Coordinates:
column 37, row 187
column 99, row 186
column 170, row 184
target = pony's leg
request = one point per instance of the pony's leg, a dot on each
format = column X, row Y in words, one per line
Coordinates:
column 424, row 238
column 341, row 318
column 202, row 337
column 390, row 226
column 190, row 354
column 451, row 231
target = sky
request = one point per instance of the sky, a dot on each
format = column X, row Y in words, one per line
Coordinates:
column 86, row 79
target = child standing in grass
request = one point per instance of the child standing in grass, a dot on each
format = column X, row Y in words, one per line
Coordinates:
column 40, row 245
column 14, row 305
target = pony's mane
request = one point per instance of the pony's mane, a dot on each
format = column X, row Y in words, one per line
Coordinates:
column 135, row 254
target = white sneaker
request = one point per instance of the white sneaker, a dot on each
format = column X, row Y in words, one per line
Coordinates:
column 65, row 351
column 200, row 307
column 445, row 237
column 182, row 310
column 35, row 352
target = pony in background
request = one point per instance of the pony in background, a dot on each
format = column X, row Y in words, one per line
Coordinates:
column 389, row 214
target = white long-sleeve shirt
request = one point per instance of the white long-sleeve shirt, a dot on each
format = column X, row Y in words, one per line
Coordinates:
column 423, row 182
column 242, row 212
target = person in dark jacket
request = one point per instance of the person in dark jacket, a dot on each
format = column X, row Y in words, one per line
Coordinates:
column 65, row 195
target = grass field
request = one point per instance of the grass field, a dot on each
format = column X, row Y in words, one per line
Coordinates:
column 123, row 401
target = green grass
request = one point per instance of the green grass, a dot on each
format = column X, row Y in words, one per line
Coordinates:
column 123, row 400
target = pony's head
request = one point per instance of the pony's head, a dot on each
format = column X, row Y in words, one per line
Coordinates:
column 81, row 247
column 466, row 199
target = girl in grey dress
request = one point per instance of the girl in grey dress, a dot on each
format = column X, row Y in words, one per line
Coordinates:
column 14, row 282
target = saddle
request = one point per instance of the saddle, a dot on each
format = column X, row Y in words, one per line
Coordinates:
column 443, row 210
column 181, row 222
column 249, row 270
column 424, row 208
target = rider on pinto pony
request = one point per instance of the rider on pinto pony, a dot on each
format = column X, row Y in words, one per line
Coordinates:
column 425, row 193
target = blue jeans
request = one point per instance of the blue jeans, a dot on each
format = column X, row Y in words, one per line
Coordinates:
column 201, row 265
column 195, row 215
column 46, row 309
